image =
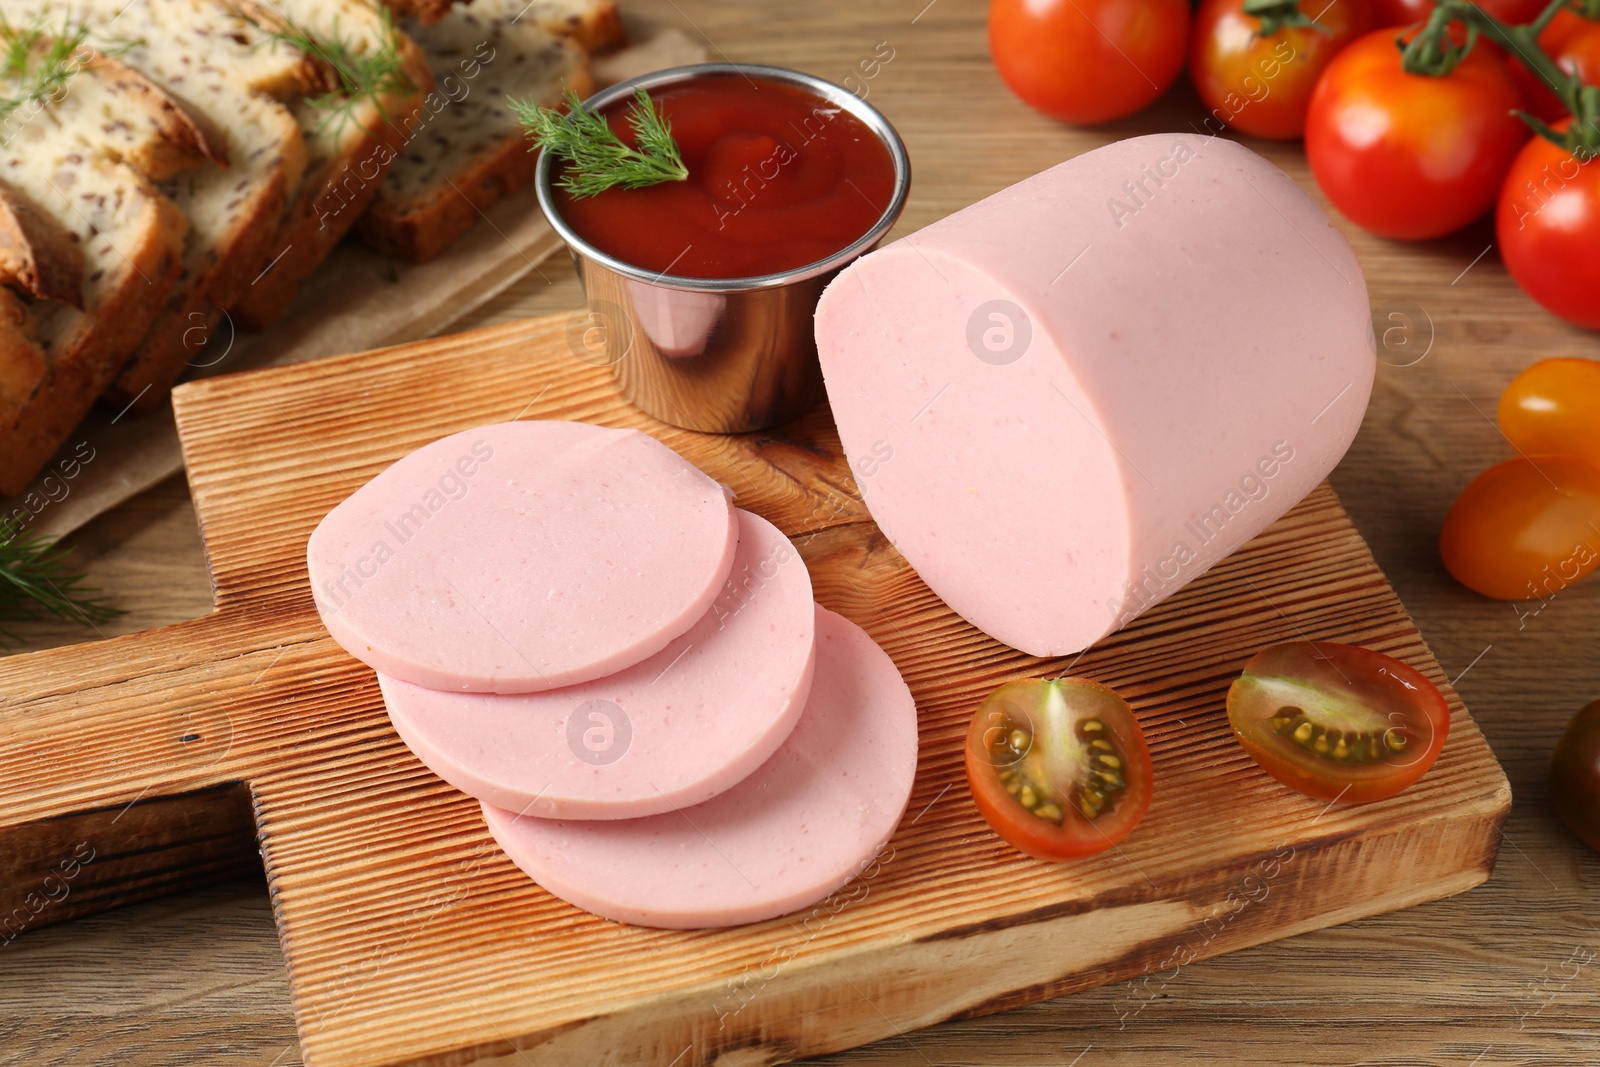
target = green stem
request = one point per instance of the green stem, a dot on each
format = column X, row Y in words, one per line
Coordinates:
column 1432, row 53
column 1277, row 15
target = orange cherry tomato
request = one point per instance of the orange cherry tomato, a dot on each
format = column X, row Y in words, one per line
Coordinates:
column 1088, row 61
column 1574, row 43
column 1262, row 85
column 1553, row 409
column 1524, row 528
column 1337, row 722
column 1408, row 155
column 1058, row 767
column 1575, row 776
column 1548, row 226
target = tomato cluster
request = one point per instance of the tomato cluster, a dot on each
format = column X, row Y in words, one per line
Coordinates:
column 1060, row 769
column 1407, row 155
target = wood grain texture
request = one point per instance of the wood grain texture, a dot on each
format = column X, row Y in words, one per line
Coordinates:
column 393, row 904
column 1493, row 976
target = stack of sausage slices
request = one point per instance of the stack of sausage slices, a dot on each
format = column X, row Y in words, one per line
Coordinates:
column 172, row 170
column 575, row 626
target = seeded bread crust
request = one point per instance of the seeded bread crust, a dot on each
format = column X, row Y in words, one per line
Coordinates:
column 423, row 10
column 465, row 150
column 22, row 363
column 348, row 161
column 37, row 255
column 140, row 124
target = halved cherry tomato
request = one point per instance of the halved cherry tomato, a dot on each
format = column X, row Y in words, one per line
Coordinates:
column 1405, row 12
column 1088, row 61
column 1548, row 225
column 1408, row 155
column 1553, row 409
column 1575, row 776
column 1526, row 528
column 1058, row 767
column 1338, row 722
column 1574, row 43
column 1262, row 85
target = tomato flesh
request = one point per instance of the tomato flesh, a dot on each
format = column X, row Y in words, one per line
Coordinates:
column 1337, row 722
column 1524, row 529
column 1575, row 776
column 1058, row 767
column 1548, row 225
column 1088, row 61
column 1553, row 409
column 1262, row 85
column 1411, row 156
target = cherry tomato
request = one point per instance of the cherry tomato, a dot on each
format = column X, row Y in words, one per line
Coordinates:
column 1262, row 85
column 1574, row 43
column 1405, row 12
column 1548, row 225
column 1409, row 155
column 1088, row 61
column 1337, row 722
column 1553, row 409
column 1058, row 767
column 1524, row 528
column 1575, row 776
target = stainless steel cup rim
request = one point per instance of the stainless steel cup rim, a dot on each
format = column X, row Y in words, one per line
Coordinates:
column 833, row 94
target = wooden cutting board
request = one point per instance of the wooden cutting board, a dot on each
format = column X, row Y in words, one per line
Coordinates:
column 150, row 763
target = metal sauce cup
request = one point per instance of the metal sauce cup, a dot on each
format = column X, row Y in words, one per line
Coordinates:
column 716, row 355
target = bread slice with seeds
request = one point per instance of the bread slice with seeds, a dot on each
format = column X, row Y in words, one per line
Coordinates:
column 63, row 159
column 234, row 213
column 463, row 156
column 352, row 134
column 594, row 24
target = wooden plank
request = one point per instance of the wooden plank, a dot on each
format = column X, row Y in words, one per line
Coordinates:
column 395, row 910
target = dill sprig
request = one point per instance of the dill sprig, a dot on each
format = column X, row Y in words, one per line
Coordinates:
column 36, row 580
column 36, row 75
column 359, row 73
column 597, row 159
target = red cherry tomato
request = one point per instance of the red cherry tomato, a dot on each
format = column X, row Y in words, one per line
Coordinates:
column 1548, row 226
column 1409, row 155
column 1575, row 776
column 1524, row 528
column 1059, row 767
column 1088, row 61
column 1405, row 12
column 1553, row 409
column 1262, row 85
column 1337, row 722
column 1574, row 43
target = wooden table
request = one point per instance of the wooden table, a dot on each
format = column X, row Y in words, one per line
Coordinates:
column 1506, row 974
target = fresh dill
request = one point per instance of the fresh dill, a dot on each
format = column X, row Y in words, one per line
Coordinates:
column 36, row 580
column 358, row 73
column 597, row 159
column 36, row 74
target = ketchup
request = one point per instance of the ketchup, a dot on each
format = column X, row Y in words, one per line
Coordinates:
column 778, row 178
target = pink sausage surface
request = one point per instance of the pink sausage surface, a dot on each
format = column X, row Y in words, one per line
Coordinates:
column 1065, row 402
column 814, row 816
column 522, row 556
column 669, row 732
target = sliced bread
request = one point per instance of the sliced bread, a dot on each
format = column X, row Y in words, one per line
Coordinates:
column 464, row 150
column 234, row 213
column 352, row 135
column 132, row 239
column 64, row 160
column 594, row 24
